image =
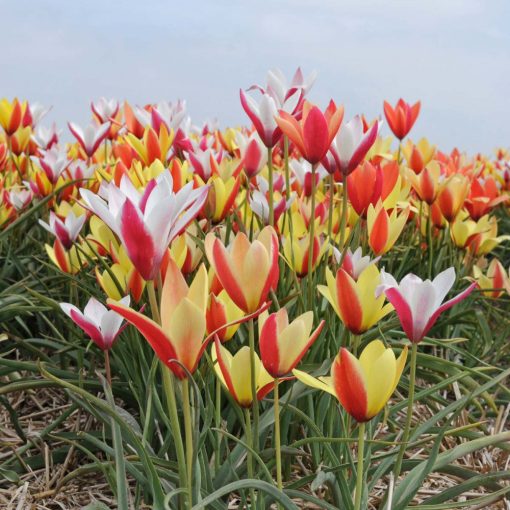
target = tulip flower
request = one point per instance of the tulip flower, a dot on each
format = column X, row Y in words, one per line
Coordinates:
column 494, row 282
column 100, row 324
column 296, row 251
column 91, row 137
column 452, row 195
column 260, row 206
column 304, row 172
column 419, row 155
column 66, row 231
column 314, row 133
column 354, row 300
column 68, row 261
column 401, row 118
column 253, row 153
column 11, row 114
column 283, row 344
column 483, row 197
column 383, row 228
column 355, row 263
column 20, row 197
column 426, row 183
column 234, row 372
column 147, row 223
column 236, row 267
column 181, row 334
column 363, row 386
column 364, row 187
column 221, row 310
column 351, row 144
column 419, row 303
column 45, row 138
column 105, row 110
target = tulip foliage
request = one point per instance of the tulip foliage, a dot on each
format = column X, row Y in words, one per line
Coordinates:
column 305, row 310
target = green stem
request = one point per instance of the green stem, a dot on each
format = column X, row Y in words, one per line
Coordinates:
column 270, row 182
column 330, row 215
column 359, row 475
column 107, row 367
column 429, row 240
column 249, row 459
column 169, row 391
column 310, row 245
column 343, row 218
column 277, row 439
column 253, row 382
column 410, row 403
column 217, row 422
column 188, row 431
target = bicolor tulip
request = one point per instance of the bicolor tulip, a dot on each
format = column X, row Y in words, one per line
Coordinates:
column 181, row 334
column 68, row 261
column 234, row 372
column 363, row 386
column 483, row 197
column 53, row 162
column 20, row 198
column 46, row 138
column 252, row 152
column 354, row 300
column 426, row 183
column 355, row 263
column 365, row 187
column 296, row 250
column 235, row 267
column 314, row 132
column 383, row 228
column 419, row 155
column 103, row 326
column 401, row 118
column 91, row 137
column 221, row 310
column 494, row 282
column 283, row 344
column 66, row 231
column 452, row 195
column 147, row 222
column 11, row 115
column 351, row 144
column 419, row 303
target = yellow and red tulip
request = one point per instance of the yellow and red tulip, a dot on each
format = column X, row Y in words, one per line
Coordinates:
column 221, row 310
column 494, row 282
column 383, row 228
column 363, row 386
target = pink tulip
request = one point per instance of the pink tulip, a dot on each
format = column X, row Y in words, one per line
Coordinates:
column 351, row 145
column 146, row 222
column 65, row 231
column 90, row 138
column 105, row 110
column 417, row 302
column 103, row 326
column 53, row 162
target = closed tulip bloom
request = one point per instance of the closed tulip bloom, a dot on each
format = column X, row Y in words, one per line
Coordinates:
column 181, row 334
column 221, row 310
column 450, row 199
column 314, row 133
column 100, row 324
column 354, row 301
column 11, row 115
column 363, row 386
column 247, row 271
column 426, row 183
column 66, row 231
column 419, row 303
column 383, row 228
column 234, row 372
column 355, row 263
column 296, row 251
column 401, row 118
column 146, row 222
column 365, row 187
column 91, row 137
column 283, row 344
column 351, row 144
column 419, row 155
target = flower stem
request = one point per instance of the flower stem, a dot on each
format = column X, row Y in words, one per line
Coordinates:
column 107, row 367
column 249, row 459
column 343, row 218
column 188, row 431
column 270, row 182
column 429, row 240
column 331, row 205
column 359, row 475
column 311, row 243
column 217, row 422
column 255, row 405
column 277, row 439
column 410, row 403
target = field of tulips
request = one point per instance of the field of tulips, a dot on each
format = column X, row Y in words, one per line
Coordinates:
column 308, row 311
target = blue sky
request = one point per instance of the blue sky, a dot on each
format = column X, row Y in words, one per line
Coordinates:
column 451, row 54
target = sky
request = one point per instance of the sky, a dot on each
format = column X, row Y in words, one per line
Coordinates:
column 453, row 55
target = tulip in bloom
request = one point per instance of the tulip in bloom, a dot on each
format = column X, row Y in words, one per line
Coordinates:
column 66, row 231
column 426, row 183
column 383, row 228
column 419, row 155
column 283, row 344
column 494, row 282
column 45, row 137
column 314, row 133
column 247, row 271
column 181, row 334
column 11, row 115
column 146, row 222
column 354, row 300
column 91, row 137
column 296, row 251
column 253, row 153
column 351, row 144
column 100, row 324
column 483, row 197
column 53, row 162
column 419, row 303
column 221, row 310
column 452, row 195
column 401, row 118
column 234, row 372
column 354, row 263
column 20, row 197
column 363, row 386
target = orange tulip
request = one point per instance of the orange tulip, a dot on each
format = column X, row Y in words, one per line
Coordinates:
column 315, row 131
column 452, row 196
column 401, row 118
column 247, row 271
column 383, row 228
